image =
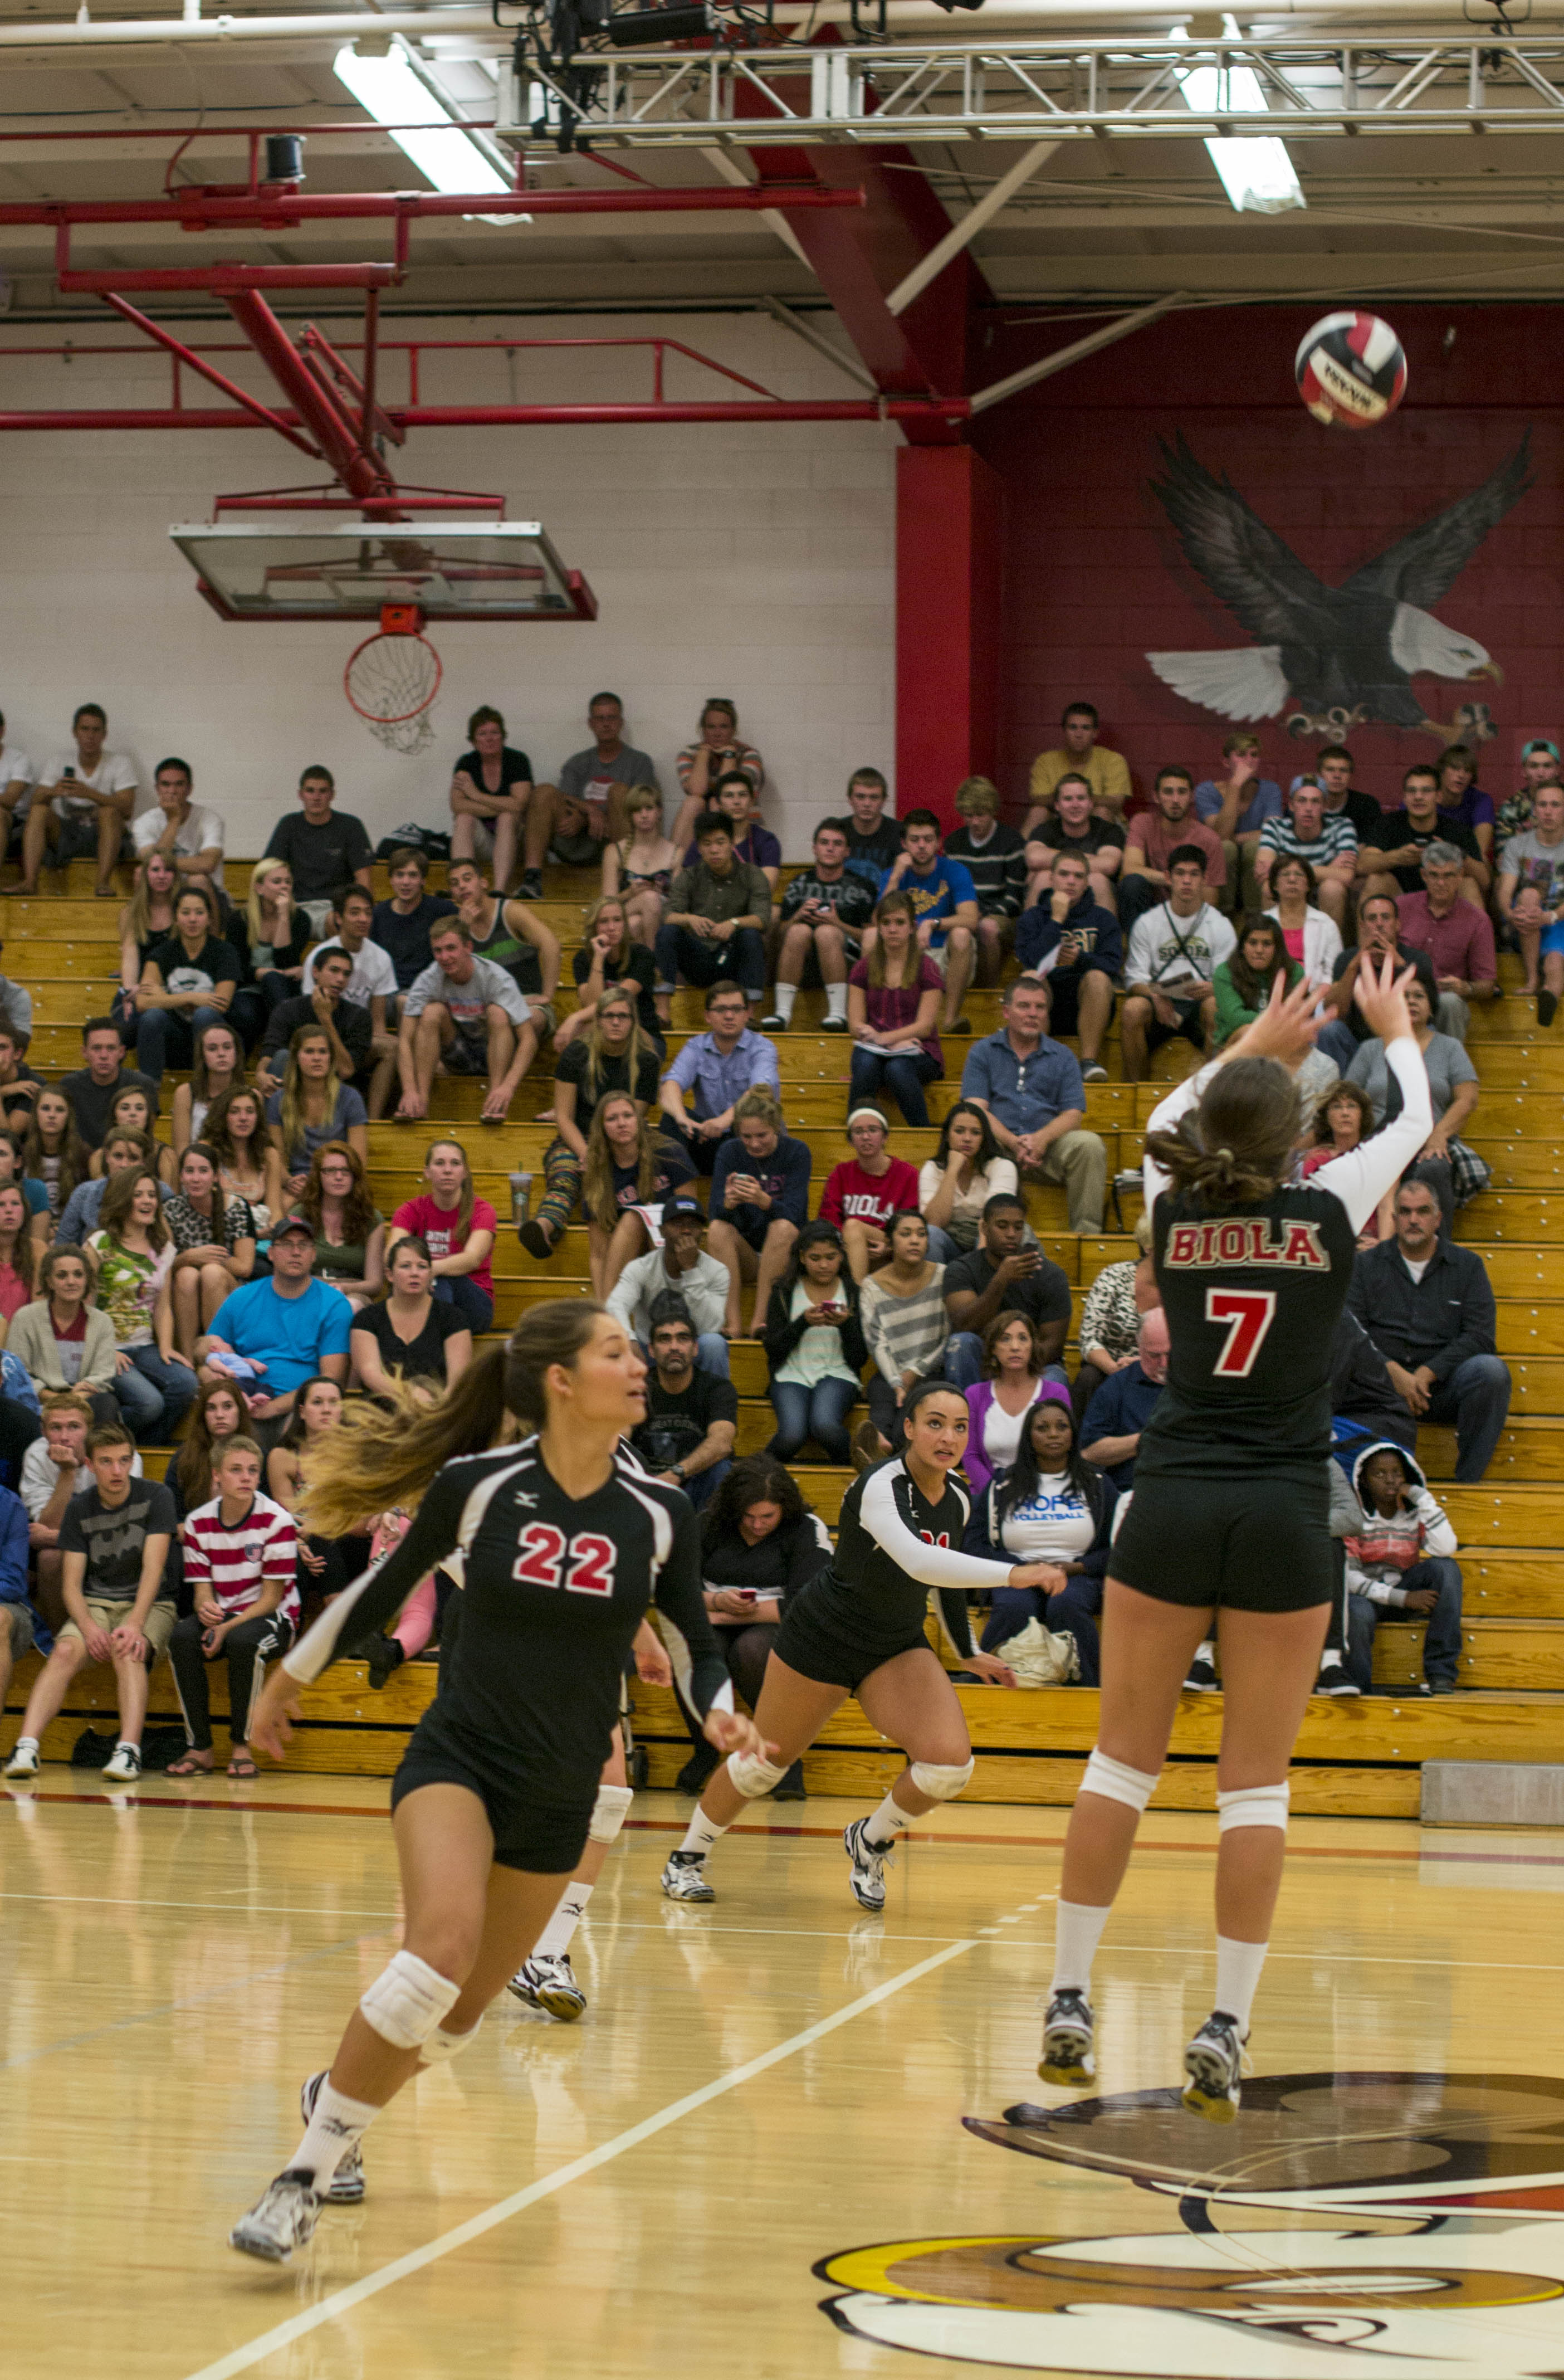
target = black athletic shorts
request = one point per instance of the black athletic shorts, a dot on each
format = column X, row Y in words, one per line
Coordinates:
column 1064, row 1011
column 1260, row 1543
column 547, row 1839
column 808, row 1643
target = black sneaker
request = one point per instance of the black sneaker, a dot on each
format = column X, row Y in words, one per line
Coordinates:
column 775, row 1022
column 1548, row 1008
column 535, row 1240
column 701, row 1766
column 791, row 1788
column 1214, row 2063
column 962, row 1024
column 384, row 1656
column 531, row 885
column 1069, row 2039
column 1333, row 1679
column 1437, row 1686
column 1202, row 1679
column 835, row 1025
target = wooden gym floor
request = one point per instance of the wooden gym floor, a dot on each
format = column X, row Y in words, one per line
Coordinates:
column 760, row 2089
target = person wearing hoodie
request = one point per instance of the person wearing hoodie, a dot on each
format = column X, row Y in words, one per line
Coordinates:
column 1080, row 947
column 1400, row 1559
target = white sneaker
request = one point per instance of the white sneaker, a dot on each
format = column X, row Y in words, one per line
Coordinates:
column 282, row 2219
column 23, row 1761
column 1214, row 2063
column 684, row 1878
column 125, row 1768
column 1069, row 2041
column 868, row 1879
column 346, row 2186
column 549, row 1983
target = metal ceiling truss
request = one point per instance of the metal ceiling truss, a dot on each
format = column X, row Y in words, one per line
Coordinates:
column 1026, row 90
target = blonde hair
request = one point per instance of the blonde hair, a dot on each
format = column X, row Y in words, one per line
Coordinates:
column 590, row 924
column 597, row 1173
column 259, row 875
column 977, row 796
column 138, row 913
column 643, row 798
column 760, row 1105
column 636, row 1048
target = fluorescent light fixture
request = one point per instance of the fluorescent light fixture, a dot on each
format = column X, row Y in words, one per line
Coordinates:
column 388, row 89
column 1256, row 173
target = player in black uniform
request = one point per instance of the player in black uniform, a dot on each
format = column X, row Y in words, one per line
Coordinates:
column 564, row 1540
column 1230, row 1512
column 857, row 1629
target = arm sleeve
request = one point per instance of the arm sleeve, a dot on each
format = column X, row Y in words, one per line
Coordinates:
column 954, row 1617
column 1478, row 1316
column 692, row 1646
column 1361, row 1178
column 686, row 1066
column 937, row 1566
column 792, row 1207
column 1165, row 1117
column 1141, row 965
column 1108, row 956
column 1439, row 1536
column 830, row 1197
column 197, row 1561
column 13, row 1551
column 380, row 1594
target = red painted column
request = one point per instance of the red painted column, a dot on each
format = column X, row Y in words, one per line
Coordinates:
column 947, row 574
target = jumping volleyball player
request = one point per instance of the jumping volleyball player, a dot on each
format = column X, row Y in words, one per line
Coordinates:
column 857, row 1629
column 1230, row 1501
column 564, row 1540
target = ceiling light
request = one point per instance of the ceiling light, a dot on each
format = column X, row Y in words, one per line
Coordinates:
column 1256, row 173
column 389, row 89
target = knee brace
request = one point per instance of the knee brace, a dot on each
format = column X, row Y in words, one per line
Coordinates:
column 752, row 1776
column 407, row 2001
column 1116, row 1782
column 1253, row 1805
column 442, row 2047
column 941, row 1784
column 609, row 1812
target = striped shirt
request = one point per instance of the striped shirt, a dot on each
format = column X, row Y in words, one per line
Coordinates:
column 229, row 1565
column 1338, row 838
column 905, row 1335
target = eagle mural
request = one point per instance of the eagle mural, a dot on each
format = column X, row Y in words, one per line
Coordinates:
column 1345, row 654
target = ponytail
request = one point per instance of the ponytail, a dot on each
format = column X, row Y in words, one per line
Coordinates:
column 1236, row 1148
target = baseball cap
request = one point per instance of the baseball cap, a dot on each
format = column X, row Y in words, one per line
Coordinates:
column 674, row 1209
column 292, row 1223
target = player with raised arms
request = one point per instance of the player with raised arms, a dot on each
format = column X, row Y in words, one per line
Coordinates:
column 1230, row 1508
column 565, row 1539
column 857, row 1629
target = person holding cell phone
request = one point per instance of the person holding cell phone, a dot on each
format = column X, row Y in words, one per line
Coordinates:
column 815, row 1348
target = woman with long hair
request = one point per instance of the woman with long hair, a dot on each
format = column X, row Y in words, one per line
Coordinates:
column 218, row 1414
column 32, row 1190
column 1453, row 1170
column 54, row 1151
column 130, row 1110
column 350, row 1228
column 857, row 1629
column 497, row 1789
column 701, row 766
column 1110, row 1317
column 1343, row 1121
column 613, row 1054
column 145, row 919
column 759, row 1543
column 1242, row 983
column 998, row 1402
column 247, row 1165
column 312, row 1107
column 326, row 1564
column 815, row 1350
column 134, row 1254
column 1313, row 940
column 410, row 1334
column 273, row 936
column 1052, row 1507
column 458, row 1228
column 189, row 981
column 1229, row 1522
column 640, row 868
column 217, row 1067
column 61, row 1337
column 19, row 1256
column 906, row 1330
column 607, row 955
column 631, row 1168
column 213, row 1237
column 893, row 997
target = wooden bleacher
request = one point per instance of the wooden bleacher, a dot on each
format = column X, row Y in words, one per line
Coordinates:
column 1353, row 1758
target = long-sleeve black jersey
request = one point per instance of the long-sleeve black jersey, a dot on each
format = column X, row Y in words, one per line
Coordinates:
column 1252, row 1295
column 893, row 1545
column 554, row 1591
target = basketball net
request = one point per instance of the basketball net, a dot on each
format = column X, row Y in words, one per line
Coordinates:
column 393, row 678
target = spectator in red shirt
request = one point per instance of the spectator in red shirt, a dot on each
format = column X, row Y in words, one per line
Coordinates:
column 1458, row 936
column 458, row 1230
column 1154, row 836
column 864, row 1194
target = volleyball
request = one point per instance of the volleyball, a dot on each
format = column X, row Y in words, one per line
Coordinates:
column 1351, row 370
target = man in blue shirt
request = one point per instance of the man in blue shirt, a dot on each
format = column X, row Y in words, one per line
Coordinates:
column 718, row 1066
column 1125, row 1403
column 1032, row 1091
column 294, row 1328
column 1078, row 948
column 944, row 903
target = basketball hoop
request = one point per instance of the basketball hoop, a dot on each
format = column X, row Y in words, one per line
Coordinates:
column 393, row 679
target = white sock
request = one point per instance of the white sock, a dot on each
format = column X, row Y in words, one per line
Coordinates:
column 786, row 994
column 836, row 1000
column 25, row 1738
column 888, row 1821
column 1077, row 1930
column 338, row 2124
column 555, row 1937
column 703, row 1833
column 1238, row 1976
column 1206, row 1651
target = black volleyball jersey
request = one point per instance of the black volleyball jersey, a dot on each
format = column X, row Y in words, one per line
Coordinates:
column 893, row 1545
column 554, row 1593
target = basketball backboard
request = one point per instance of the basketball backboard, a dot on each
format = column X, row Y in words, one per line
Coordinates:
column 350, row 570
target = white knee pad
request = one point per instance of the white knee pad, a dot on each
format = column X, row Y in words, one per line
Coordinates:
column 442, row 2047
column 941, row 1784
column 752, row 1776
column 609, row 1812
column 407, row 2001
column 1253, row 1805
column 1116, row 1782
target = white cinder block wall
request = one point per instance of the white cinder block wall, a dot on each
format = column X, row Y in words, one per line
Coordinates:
column 739, row 560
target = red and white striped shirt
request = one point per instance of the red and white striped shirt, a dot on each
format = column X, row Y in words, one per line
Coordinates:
column 228, row 1565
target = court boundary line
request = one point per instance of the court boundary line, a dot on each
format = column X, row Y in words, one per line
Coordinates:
column 341, row 2302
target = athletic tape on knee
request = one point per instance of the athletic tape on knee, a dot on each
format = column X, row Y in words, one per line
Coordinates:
column 442, row 2047
column 1116, row 1782
column 407, row 1999
column 941, row 1784
column 1253, row 1805
column 752, row 1776
column 609, row 1812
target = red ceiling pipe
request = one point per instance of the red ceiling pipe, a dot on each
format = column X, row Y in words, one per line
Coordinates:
column 224, row 280
column 520, row 417
column 184, row 355
column 193, row 212
column 360, row 473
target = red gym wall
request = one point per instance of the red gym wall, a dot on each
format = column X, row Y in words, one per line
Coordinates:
column 1094, row 578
